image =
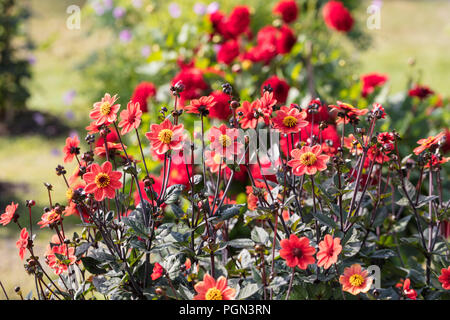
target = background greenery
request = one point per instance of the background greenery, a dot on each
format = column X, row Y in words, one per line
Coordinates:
column 409, row 29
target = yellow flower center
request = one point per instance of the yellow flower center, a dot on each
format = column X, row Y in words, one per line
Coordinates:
column 290, row 121
column 356, row 280
column 102, row 180
column 225, row 140
column 213, row 294
column 217, row 158
column 165, row 136
column 308, row 158
column 105, row 109
column 69, row 194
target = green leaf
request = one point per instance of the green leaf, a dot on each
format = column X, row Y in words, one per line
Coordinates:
column 241, row 243
column 259, row 235
column 172, row 193
column 326, row 220
column 383, row 254
column 92, row 265
column 401, row 224
column 248, row 290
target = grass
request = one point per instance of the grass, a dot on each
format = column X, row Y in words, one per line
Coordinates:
column 409, row 29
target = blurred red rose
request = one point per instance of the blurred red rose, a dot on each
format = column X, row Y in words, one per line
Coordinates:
column 420, row 92
column 238, row 21
column 288, row 10
column 193, row 81
column 337, row 16
column 370, row 81
column 221, row 110
column 279, row 86
column 285, row 40
column 228, row 51
column 142, row 93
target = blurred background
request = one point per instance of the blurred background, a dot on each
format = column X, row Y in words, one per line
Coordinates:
column 52, row 72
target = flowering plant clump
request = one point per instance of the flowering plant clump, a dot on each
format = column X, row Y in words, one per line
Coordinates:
column 269, row 205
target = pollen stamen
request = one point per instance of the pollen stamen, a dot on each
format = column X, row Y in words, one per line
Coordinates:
column 165, row 136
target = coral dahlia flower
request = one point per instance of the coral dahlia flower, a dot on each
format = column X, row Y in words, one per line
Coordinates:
column 355, row 280
column 102, row 181
column 210, row 289
column 407, row 291
column 71, row 148
column 8, row 215
column 444, row 278
column 428, row 143
column 105, row 111
column 49, row 217
column 289, row 120
column 200, row 106
column 297, row 252
column 158, row 271
column 308, row 160
column 249, row 118
column 61, row 251
column 131, row 118
column 165, row 136
column 347, row 111
column 22, row 243
column 329, row 250
column 224, row 140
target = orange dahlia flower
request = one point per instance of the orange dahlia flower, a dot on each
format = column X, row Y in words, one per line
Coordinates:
column 210, row 289
column 297, row 252
column 201, row 105
column 308, row 160
column 355, row 280
column 329, row 250
column 428, row 143
column 102, row 181
column 71, row 148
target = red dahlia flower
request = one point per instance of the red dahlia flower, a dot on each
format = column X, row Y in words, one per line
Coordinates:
column 210, row 289
column 279, row 86
column 22, row 243
column 238, row 21
column 337, row 16
column 224, row 141
column 142, row 93
column 420, row 92
column 289, row 120
column 444, row 278
column 347, row 111
column 228, row 51
column 221, row 109
column 105, row 111
column 102, row 181
column 200, row 106
column 71, row 148
column 370, row 81
column 297, row 252
column 308, row 160
column 407, row 291
column 131, row 118
column 355, row 280
column 248, row 120
column 322, row 113
column 329, row 250
column 288, row 10
column 110, row 137
column 285, row 40
column 165, row 136
column 193, row 81
column 8, row 215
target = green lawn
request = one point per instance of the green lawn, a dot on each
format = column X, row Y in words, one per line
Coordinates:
column 417, row 29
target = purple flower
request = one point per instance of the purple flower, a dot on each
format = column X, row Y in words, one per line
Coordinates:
column 100, row 6
column 125, row 36
column 69, row 96
column 174, row 10
column 118, row 12
column 31, row 59
column 212, row 7
column 145, row 51
column 199, row 9
column 137, row 3
column 73, row 133
column 55, row 152
column 70, row 115
column 39, row 118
